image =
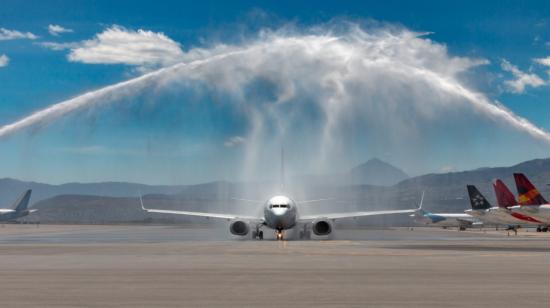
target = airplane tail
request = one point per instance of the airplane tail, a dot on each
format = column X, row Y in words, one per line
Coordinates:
column 23, row 202
column 527, row 193
column 282, row 181
column 477, row 200
column 505, row 198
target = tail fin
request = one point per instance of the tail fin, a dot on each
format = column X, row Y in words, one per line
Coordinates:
column 23, row 202
column 527, row 193
column 505, row 198
column 477, row 200
column 282, row 169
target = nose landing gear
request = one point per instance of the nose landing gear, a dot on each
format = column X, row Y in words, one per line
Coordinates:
column 279, row 235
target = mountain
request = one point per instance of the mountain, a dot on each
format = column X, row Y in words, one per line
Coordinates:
column 377, row 172
column 446, row 191
column 10, row 189
column 111, row 202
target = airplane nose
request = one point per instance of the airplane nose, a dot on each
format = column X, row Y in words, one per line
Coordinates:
column 279, row 211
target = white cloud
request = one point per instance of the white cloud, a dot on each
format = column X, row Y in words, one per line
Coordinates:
column 234, row 141
column 447, row 168
column 4, row 60
column 543, row 61
column 522, row 79
column 56, row 30
column 117, row 45
column 6, row 34
column 59, row 46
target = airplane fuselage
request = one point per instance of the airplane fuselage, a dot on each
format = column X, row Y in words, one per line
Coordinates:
column 538, row 212
column 9, row 215
column 444, row 219
column 280, row 213
column 502, row 216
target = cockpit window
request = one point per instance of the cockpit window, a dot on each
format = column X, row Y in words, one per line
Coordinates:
column 279, row 205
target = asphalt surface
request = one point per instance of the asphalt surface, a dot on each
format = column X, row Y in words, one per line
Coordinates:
column 161, row 266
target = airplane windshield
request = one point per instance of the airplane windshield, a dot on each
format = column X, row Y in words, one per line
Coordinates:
column 279, row 205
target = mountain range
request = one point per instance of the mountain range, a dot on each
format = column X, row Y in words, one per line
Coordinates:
column 109, row 202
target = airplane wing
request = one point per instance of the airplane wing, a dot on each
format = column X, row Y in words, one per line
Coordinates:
column 199, row 214
column 313, row 201
column 353, row 214
column 248, row 200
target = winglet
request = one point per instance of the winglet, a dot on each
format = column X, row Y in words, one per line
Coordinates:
column 421, row 201
column 419, row 212
column 141, row 202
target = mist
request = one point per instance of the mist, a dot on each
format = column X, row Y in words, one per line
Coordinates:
column 335, row 95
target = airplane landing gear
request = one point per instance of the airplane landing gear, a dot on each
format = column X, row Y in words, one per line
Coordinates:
column 513, row 228
column 258, row 234
column 305, row 234
column 279, row 235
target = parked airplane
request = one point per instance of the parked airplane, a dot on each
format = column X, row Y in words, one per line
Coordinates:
column 531, row 202
column 460, row 220
column 280, row 213
column 18, row 209
column 501, row 215
column 506, row 199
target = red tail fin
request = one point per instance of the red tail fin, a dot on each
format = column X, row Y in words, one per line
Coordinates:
column 505, row 198
column 527, row 193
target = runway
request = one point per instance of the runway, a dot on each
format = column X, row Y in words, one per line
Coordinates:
column 170, row 266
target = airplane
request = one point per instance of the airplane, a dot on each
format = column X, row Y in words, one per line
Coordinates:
column 18, row 209
column 506, row 199
column 531, row 202
column 501, row 215
column 460, row 220
column 280, row 213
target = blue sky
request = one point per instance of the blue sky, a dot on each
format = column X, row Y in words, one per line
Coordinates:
column 202, row 131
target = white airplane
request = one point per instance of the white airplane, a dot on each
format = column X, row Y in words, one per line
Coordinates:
column 280, row 213
column 531, row 202
column 460, row 220
column 18, row 209
column 501, row 215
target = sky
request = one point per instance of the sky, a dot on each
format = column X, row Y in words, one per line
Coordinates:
column 176, row 92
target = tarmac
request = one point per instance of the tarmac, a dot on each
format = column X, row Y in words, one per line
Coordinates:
column 171, row 266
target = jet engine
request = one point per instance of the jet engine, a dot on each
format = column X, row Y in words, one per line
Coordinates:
column 239, row 227
column 322, row 227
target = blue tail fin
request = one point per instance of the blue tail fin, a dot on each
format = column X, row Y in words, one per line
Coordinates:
column 23, row 202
